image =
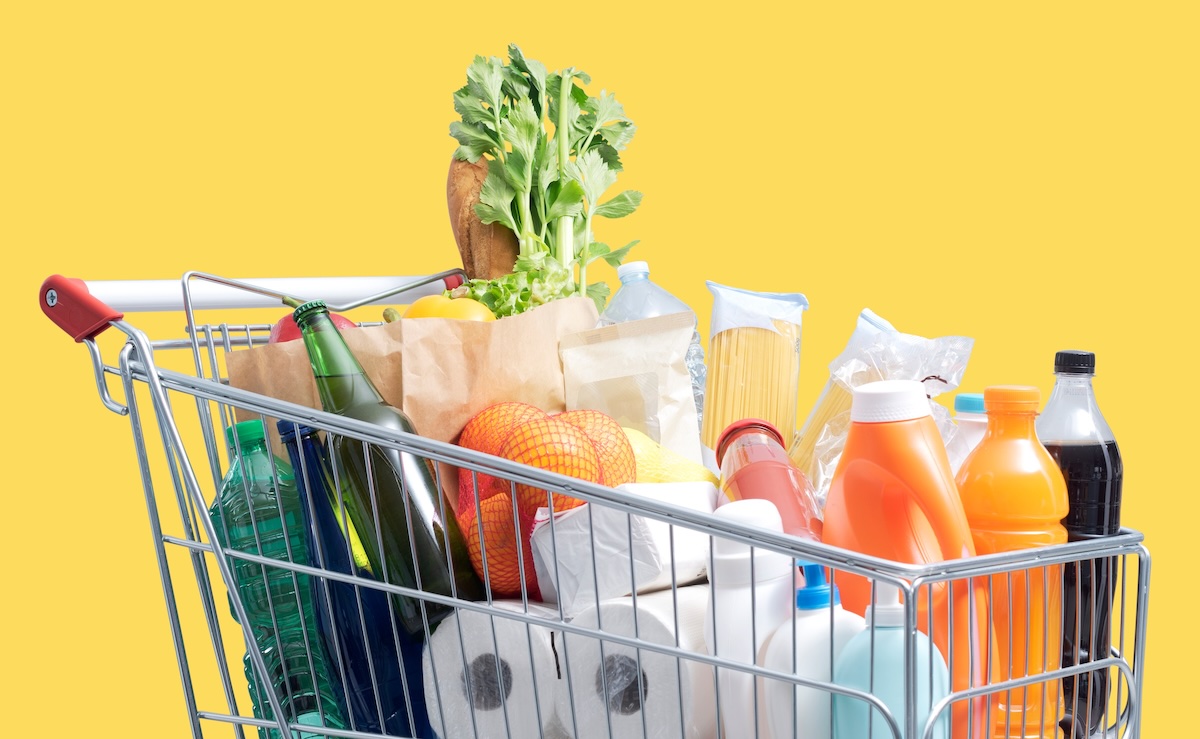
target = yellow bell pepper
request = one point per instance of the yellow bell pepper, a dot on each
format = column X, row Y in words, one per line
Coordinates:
column 440, row 306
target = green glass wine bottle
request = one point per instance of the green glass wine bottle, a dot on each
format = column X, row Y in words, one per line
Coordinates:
column 392, row 497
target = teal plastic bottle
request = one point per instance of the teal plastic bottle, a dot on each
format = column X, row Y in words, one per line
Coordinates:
column 884, row 675
column 257, row 511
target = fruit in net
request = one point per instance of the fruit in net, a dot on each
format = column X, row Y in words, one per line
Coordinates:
column 486, row 432
column 505, row 545
column 617, row 462
column 553, row 445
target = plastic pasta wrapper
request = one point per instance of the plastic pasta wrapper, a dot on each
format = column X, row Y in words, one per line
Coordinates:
column 753, row 359
column 877, row 351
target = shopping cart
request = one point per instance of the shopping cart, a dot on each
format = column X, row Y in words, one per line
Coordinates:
column 498, row 679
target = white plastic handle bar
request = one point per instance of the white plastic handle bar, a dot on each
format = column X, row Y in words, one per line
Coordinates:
column 134, row 296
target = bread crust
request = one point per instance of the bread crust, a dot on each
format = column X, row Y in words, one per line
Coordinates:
column 487, row 250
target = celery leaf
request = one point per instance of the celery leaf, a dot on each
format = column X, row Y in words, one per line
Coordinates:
column 620, row 206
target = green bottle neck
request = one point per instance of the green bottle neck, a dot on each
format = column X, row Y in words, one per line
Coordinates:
column 341, row 382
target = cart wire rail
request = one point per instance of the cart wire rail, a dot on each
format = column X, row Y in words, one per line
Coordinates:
column 462, row 693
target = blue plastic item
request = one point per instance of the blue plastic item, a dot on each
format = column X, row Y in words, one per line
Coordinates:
column 817, row 591
column 969, row 403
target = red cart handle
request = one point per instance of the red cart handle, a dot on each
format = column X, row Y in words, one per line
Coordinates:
column 67, row 302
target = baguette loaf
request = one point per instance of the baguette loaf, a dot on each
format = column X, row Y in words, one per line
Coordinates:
column 487, row 250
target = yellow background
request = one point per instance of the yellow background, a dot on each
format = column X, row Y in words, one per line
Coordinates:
column 1022, row 173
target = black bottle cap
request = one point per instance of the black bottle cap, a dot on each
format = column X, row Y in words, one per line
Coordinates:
column 1071, row 362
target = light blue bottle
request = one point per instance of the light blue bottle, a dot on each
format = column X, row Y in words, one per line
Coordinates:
column 884, row 675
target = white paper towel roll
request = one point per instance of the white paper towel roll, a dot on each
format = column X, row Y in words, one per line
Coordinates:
column 683, row 551
column 520, row 699
column 592, row 549
column 674, row 698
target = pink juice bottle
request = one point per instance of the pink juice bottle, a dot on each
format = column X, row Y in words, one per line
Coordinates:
column 755, row 464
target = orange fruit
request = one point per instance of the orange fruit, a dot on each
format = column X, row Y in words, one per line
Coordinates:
column 618, row 464
column 505, row 548
column 551, row 444
column 486, row 432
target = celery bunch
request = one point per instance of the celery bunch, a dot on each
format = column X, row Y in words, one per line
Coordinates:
column 552, row 152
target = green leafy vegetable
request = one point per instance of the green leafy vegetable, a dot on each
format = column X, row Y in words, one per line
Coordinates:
column 545, row 182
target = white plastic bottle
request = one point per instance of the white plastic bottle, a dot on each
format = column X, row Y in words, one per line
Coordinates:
column 639, row 298
column 747, row 606
column 970, row 417
column 873, row 662
column 822, row 631
column 970, row 421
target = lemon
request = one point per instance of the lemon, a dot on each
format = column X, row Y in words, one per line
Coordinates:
column 656, row 463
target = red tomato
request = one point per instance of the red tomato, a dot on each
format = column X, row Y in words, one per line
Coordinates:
column 285, row 329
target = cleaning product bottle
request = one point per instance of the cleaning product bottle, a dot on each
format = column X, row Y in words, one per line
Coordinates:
column 355, row 623
column 257, row 511
column 749, row 596
column 754, row 464
column 638, row 298
column 1079, row 439
column 1015, row 499
column 873, row 662
column 893, row 496
column 821, row 631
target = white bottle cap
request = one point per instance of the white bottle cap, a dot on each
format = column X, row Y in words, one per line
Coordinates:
column 888, row 611
column 731, row 559
column 889, row 400
column 632, row 268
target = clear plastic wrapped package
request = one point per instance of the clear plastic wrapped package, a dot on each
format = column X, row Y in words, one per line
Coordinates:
column 877, row 351
column 753, row 359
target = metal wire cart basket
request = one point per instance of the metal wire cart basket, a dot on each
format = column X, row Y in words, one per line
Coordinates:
column 641, row 665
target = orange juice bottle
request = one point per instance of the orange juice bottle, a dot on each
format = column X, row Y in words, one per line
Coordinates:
column 893, row 496
column 1015, row 498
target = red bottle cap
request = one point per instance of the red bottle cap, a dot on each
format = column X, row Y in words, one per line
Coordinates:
column 745, row 424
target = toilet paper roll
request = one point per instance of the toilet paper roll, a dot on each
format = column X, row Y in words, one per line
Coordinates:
column 494, row 689
column 674, row 698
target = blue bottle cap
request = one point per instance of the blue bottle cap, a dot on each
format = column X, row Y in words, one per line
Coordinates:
column 288, row 430
column 817, row 592
column 969, row 403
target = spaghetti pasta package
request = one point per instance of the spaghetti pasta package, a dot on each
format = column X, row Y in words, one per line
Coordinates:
column 876, row 351
column 753, row 359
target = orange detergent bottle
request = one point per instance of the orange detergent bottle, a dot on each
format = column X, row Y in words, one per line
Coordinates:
column 893, row 496
column 1015, row 498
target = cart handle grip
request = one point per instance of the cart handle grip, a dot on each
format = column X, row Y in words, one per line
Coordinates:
column 67, row 302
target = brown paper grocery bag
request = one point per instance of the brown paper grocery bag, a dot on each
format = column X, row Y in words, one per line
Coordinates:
column 439, row 371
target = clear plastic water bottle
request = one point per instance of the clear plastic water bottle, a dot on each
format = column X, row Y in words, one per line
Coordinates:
column 257, row 511
column 639, row 298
